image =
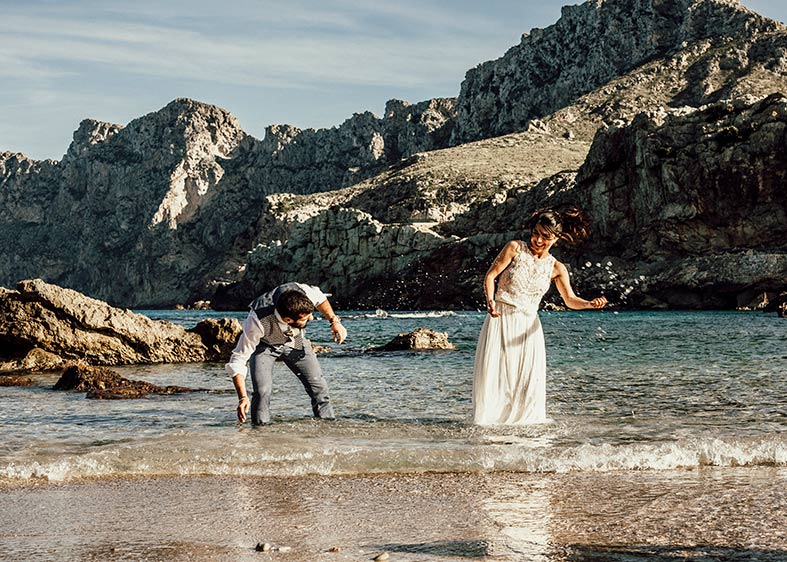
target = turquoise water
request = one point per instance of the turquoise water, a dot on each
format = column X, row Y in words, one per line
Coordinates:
column 625, row 391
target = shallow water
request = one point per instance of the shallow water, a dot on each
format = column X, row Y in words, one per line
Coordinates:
column 625, row 391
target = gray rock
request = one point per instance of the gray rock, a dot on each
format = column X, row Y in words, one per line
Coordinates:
column 673, row 52
column 420, row 339
column 162, row 210
column 70, row 326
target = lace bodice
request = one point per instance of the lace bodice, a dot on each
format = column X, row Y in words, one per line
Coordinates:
column 525, row 280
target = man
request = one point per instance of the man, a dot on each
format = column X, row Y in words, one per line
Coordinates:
column 274, row 329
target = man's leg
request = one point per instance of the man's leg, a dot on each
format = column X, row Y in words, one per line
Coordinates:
column 303, row 362
column 261, row 370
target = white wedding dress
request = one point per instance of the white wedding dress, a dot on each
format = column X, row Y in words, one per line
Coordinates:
column 509, row 374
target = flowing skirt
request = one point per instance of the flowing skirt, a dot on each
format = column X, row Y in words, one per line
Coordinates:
column 509, row 374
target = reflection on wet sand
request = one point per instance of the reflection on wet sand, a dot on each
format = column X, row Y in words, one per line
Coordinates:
column 701, row 515
column 520, row 509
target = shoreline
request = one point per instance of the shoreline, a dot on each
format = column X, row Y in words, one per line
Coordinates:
column 710, row 513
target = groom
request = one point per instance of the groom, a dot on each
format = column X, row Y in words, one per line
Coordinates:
column 274, row 329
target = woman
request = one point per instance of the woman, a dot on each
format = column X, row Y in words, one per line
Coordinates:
column 510, row 362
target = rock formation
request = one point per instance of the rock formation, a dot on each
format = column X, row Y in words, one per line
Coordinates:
column 181, row 205
column 159, row 211
column 634, row 54
column 101, row 383
column 689, row 206
column 65, row 326
column 420, row 339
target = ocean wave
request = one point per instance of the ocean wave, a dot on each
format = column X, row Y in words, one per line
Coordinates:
column 381, row 314
column 215, row 458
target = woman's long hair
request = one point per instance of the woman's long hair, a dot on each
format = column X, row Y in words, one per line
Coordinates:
column 570, row 224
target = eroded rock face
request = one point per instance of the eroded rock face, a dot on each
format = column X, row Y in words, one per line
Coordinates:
column 182, row 203
column 219, row 336
column 689, row 211
column 66, row 325
column 694, row 200
column 346, row 247
column 706, row 50
column 156, row 212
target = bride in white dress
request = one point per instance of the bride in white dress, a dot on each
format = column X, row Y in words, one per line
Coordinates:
column 510, row 361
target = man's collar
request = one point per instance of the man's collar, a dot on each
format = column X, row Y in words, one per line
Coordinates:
column 283, row 325
column 279, row 319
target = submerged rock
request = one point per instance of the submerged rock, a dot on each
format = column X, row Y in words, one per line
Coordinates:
column 14, row 380
column 105, row 384
column 419, row 339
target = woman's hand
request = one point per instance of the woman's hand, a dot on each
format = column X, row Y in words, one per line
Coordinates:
column 490, row 308
column 598, row 302
column 243, row 408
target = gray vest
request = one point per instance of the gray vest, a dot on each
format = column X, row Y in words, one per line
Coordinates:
column 264, row 307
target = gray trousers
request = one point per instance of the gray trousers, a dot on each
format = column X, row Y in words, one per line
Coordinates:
column 302, row 362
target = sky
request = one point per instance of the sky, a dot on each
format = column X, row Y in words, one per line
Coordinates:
column 308, row 63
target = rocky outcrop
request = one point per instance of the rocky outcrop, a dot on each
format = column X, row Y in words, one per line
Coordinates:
column 68, row 326
column 694, row 200
column 160, row 211
column 34, row 361
column 15, row 380
column 689, row 207
column 101, row 383
column 420, row 339
column 181, row 205
column 379, row 243
column 682, row 52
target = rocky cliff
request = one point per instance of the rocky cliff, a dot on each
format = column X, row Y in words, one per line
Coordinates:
column 689, row 204
column 686, row 165
column 155, row 212
column 631, row 55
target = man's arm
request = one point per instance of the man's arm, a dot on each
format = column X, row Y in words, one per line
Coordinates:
column 321, row 303
column 339, row 331
column 248, row 341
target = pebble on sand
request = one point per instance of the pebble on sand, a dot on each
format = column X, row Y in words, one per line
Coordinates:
column 381, row 557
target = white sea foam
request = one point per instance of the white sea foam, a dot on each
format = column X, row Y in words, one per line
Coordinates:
column 382, row 314
column 492, row 455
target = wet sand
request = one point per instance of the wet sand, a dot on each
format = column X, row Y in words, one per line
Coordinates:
column 708, row 514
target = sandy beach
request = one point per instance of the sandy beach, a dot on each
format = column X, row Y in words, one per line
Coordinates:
column 706, row 514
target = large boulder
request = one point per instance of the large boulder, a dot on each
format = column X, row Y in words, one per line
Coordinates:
column 62, row 323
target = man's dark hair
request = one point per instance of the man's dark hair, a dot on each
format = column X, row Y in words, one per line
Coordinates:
column 294, row 304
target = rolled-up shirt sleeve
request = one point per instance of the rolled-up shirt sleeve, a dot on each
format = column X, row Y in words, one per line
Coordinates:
column 248, row 341
column 314, row 293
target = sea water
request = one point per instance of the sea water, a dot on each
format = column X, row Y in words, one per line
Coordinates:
column 626, row 391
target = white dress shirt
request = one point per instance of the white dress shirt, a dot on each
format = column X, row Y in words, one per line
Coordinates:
column 253, row 332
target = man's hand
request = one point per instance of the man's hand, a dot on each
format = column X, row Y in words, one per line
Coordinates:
column 339, row 331
column 244, row 405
